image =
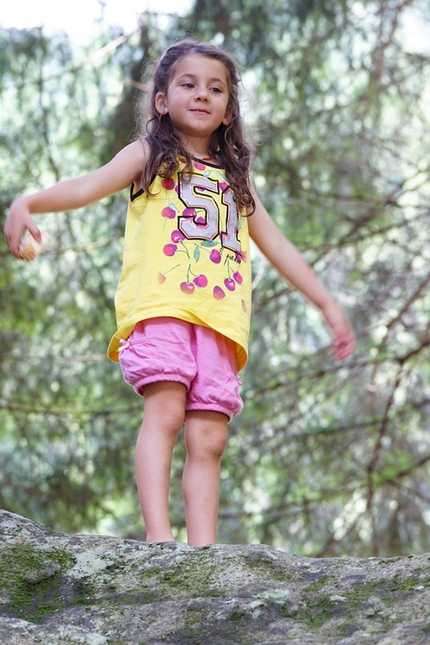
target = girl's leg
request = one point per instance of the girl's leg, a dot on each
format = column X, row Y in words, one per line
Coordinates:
column 162, row 422
column 206, row 436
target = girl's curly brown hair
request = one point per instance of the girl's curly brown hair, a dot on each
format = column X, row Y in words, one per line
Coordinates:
column 227, row 145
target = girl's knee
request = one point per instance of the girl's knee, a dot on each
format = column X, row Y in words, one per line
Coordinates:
column 214, row 444
column 168, row 421
column 204, row 438
column 220, row 441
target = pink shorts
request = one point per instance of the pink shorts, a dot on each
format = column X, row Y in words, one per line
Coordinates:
column 169, row 349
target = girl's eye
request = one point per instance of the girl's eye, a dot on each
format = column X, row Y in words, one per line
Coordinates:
column 216, row 89
column 189, row 85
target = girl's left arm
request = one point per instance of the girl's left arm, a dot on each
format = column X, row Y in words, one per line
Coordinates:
column 287, row 259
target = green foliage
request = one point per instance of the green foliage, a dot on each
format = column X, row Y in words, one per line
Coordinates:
column 325, row 459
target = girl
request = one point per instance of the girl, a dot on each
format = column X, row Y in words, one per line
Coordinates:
column 183, row 299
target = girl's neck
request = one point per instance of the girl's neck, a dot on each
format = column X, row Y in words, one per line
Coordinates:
column 201, row 157
column 198, row 149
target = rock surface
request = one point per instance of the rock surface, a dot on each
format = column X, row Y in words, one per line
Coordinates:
column 57, row 588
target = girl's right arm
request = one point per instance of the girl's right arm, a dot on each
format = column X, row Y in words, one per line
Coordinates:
column 124, row 169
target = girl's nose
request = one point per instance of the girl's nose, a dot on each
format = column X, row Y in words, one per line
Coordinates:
column 201, row 94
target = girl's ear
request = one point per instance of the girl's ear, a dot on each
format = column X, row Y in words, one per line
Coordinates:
column 227, row 116
column 160, row 103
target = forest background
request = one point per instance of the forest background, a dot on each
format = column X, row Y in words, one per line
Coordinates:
column 327, row 458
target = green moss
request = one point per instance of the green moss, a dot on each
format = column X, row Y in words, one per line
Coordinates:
column 314, row 611
column 261, row 565
column 31, row 579
column 196, row 575
column 191, row 577
column 362, row 593
column 319, row 611
column 237, row 616
column 411, row 584
column 319, row 584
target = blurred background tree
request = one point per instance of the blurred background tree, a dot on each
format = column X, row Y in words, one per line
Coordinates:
column 325, row 459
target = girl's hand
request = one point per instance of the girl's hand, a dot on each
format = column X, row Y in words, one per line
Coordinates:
column 343, row 334
column 17, row 222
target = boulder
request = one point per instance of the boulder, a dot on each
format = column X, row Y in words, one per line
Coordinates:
column 58, row 589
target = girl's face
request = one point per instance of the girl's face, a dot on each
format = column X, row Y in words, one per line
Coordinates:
column 197, row 96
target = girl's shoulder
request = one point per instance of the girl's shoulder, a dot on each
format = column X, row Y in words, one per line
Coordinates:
column 133, row 159
column 137, row 151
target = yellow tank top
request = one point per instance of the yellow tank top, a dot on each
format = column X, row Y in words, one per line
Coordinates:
column 186, row 255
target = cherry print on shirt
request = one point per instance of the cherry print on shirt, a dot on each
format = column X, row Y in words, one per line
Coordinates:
column 170, row 249
column 201, row 281
column 168, row 212
column 218, row 293
column 237, row 277
column 215, row 256
column 168, row 184
column 177, row 236
column 162, row 277
column 187, row 287
column 189, row 212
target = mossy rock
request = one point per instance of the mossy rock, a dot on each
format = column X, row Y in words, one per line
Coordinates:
column 57, row 588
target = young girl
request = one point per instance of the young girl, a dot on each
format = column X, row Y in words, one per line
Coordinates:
column 183, row 299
